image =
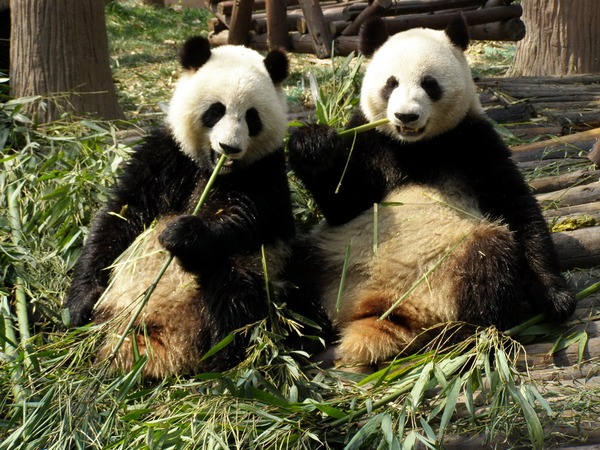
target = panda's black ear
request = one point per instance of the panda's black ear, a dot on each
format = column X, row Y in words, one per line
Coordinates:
column 458, row 31
column 277, row 65
column 195, row 53
column 373, row 33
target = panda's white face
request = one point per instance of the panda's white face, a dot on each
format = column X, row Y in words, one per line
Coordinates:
column 229, row 106
column 421, row 82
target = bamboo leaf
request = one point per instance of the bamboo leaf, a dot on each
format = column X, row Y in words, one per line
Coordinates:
column 387, row 429
column 536, row 433
column 219, row 346
column 331, row 411
column 419, row 388
column 365, row 432
column 452, row 392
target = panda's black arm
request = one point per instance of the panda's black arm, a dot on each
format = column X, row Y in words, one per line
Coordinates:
column 152, row 182
column 243, row 211
column 339, row 172
column 504, row 195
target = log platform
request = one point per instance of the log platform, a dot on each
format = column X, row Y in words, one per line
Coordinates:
column 561, row 118
column 330, row 27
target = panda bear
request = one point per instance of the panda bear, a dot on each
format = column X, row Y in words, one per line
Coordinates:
column 427, row 216
column 228, row 101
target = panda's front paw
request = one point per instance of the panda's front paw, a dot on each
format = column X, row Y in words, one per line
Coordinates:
column 184, row 237
column 562, row 302
column 558, row 298
column 312, row 147
column 80, row 304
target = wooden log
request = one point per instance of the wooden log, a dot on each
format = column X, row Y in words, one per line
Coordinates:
column 578, row 248
column 554, row 183
column 440, row 21
column 344, row 45
column 377, row 8
column 518, row 112
column 215, row 25
column 331, row 16
column 565, row 105
column 241, row 18
column 550, row 164
column 425, row 6
column 225, row 7
column 583, row 209
column 594, row 155
column 225, row 20
column 259, row 23
column 531, row 131
column 299, row 43
column 318, row 29
column 540, row 355
column 277, row 30
column 576, row 117
column 507, row 30
column 576, row 195
column 526, row 81
column 573, row 143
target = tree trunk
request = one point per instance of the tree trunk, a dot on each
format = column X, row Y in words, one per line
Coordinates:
column 562, row 38
column 59, row 49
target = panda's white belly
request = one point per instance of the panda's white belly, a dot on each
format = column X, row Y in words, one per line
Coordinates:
column 138, row 267
column 400, row 249
column 168, row 327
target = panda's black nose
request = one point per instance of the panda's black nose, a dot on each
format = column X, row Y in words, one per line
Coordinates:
column 406, row 118
column 229, row 150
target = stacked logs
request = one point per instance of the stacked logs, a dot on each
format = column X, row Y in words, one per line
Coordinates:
column 568, row 104
column 570, row 201
column 318, row 26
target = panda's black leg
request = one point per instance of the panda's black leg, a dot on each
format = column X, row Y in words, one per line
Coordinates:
column 489, row 288
column 234, row 296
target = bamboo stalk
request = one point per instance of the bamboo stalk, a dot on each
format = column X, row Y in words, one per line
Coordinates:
column 10, row 348
column 12, row 196
column 363, row 128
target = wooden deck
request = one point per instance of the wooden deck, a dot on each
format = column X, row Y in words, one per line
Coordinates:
column 561, row 115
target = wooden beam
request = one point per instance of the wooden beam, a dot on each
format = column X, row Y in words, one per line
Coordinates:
column 506, row 30
column 439, row 21
column 318, row 29
column 377, row 8
column 241, row 17
column 277, row 26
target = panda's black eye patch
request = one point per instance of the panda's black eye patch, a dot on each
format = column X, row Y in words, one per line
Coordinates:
column 255, row 125
column 432, row 87
column 390, row 85
column 213, row 114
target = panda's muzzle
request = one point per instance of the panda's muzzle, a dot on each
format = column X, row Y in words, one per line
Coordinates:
column 227, row 150
column 230, row 151
column 405, row 119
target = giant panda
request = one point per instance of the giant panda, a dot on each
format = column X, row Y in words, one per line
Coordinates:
column 427, row 217
column 228, row 101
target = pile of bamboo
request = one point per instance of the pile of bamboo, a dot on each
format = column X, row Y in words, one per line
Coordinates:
column 318, row 26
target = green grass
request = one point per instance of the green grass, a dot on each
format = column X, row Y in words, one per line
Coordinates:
column 54, row 395
column 144, row 46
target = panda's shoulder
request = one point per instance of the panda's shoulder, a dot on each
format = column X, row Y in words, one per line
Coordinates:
column 160, row 149
column 158, row 160
column 477, row 132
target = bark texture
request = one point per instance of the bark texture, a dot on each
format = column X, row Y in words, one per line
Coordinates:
column 562, row 38
column 59, row 49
